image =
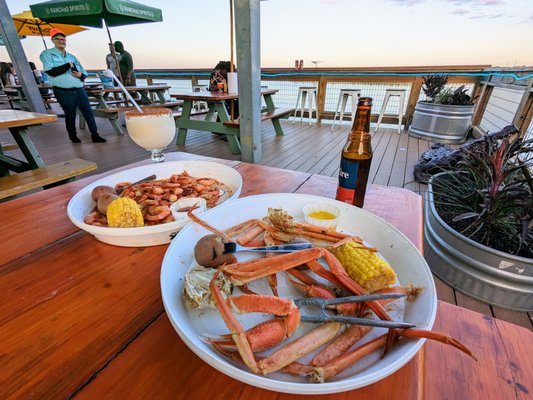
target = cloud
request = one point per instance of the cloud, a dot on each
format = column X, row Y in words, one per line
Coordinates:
column 490, row 2
column 460, row 2
column 477, row 3
column 407, row 3
column 459, row 11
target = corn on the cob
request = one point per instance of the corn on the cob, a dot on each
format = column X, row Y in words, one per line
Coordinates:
column 364, row 266
column 124, row 213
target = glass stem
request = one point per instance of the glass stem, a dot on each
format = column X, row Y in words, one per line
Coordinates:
column 157, row 155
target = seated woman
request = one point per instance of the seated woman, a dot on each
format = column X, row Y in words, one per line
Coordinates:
column 219, row 75
column 7, row 74
column 39, row 79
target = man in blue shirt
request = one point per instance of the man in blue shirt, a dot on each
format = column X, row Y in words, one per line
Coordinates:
column 66, row 75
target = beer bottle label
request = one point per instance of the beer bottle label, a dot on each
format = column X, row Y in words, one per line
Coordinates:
column 347, row 180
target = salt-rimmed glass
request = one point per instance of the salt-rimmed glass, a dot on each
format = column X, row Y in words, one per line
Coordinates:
column 152, row 129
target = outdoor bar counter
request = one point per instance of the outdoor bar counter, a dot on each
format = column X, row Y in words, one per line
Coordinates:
column 83, row 319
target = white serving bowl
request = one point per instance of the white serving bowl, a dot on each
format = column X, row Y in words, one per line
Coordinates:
column 82, row 204
column 194, row 325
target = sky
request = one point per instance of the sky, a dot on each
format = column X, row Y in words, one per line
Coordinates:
column 336, row 33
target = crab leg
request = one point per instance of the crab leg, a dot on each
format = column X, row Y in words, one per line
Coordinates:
column 299, row 347
column 247, row 271
column 237, row 331
column 272, row 279
column 329, row 370
column 287, row 354
column 294, row 368
column 239, row 228
column 241, row 273
column 204, row 224
column 269, row 333
column 334, row 367
column 340, row 345
column 250, row 234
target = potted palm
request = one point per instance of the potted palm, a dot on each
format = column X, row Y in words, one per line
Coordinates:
column 446, row 114
column 479, row 224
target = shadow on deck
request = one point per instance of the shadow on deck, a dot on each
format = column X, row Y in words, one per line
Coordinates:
column 307, row 148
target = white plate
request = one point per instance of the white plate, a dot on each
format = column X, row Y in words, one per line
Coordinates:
column 82, row 204
column 409, row 264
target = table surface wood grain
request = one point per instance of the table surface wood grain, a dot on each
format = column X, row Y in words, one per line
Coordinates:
column 214, row 95
column 150, row 88
column 84, row 319
column 19, row 118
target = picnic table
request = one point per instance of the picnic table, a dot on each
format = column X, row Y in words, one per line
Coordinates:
column 109, row 102
column 31, row 171
column 218, row 120
column 16, row 96
column 85, row 320
column 19, row 123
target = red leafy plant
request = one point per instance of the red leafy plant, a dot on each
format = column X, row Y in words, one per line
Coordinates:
column 489, row 195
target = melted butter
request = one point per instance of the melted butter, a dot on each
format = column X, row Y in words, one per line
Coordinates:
column 322, row 215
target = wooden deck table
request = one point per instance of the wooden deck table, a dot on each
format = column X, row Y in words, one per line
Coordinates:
column 148, row 94
column 83, row 319
column 218, row 120
column 19, row 123
column 110, row 101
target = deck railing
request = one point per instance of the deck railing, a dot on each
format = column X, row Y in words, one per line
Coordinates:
column 502, row 96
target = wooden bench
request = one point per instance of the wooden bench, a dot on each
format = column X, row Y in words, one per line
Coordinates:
column 266, row 115
column 48, row 176
column 112, row 113
column 95, row 104
column 8, row 146
column 171, row 104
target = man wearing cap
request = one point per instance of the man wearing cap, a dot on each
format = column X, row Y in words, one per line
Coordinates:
column 67, row 76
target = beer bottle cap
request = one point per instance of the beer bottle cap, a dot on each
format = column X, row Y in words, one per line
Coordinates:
column 365, row 101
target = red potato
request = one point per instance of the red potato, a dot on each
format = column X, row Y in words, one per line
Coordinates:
column 100, row 190
column 103, row 202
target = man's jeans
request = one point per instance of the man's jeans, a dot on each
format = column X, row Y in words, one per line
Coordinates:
column 70, row 100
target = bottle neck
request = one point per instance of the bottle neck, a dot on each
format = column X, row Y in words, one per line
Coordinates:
column 361, row 124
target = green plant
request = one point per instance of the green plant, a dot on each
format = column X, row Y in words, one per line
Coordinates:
column 434, row 87
column 489, row 196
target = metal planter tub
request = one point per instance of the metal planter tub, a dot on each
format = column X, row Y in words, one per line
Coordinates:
column 440, row 122
column 491, row 276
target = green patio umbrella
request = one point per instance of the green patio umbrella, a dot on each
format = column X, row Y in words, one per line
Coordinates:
column 96, row 13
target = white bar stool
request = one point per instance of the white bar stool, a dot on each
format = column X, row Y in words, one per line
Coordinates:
column 388, row 94
column 305, row 93
column 343, row 97
column 198, row 105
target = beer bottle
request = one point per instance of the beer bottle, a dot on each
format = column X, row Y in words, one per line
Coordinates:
column 356, row 157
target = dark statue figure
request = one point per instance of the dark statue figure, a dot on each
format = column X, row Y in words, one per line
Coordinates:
column 442, row 157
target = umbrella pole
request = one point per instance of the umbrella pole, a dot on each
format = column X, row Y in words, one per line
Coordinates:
column 42, row 37
column 113, row 50
column 231, row 33
column 232, row 104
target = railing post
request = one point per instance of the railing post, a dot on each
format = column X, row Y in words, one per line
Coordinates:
column 528, row 116
column 414, row 95
column 523, row 115
column 482, row 102
column 321, row 99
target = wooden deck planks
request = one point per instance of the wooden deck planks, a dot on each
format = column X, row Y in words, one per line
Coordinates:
column 307, row 148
